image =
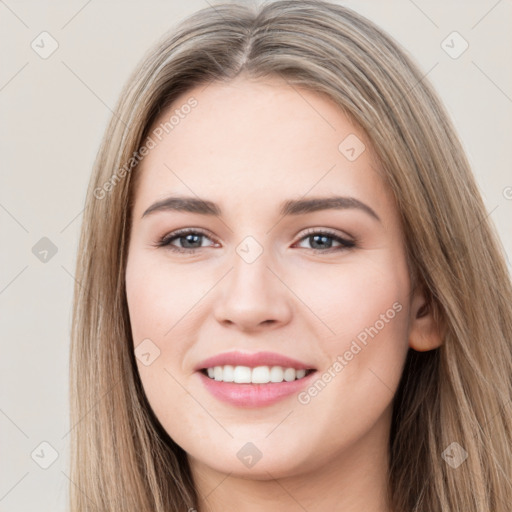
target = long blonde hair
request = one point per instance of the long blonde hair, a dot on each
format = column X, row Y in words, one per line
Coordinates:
column 121, row 457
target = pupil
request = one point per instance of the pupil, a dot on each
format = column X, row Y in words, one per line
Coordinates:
column 323, row 240
column 188, row 238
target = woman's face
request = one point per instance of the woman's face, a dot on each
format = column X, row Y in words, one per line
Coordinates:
column 269, row 269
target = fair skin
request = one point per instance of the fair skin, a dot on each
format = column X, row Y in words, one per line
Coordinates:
column 248, row 145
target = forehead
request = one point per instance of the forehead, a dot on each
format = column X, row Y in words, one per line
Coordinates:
column 256, row 138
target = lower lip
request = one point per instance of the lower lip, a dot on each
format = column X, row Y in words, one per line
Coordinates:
column 253, row 395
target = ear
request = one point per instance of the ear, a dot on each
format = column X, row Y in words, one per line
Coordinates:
column 425, row 333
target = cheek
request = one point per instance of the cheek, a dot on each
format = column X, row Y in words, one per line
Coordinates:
column 158, row 305
column 158, row 297
column 353, row 296
column 368, row 308
column 365, row 304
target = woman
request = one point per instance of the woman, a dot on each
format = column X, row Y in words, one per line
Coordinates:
column 290, row 295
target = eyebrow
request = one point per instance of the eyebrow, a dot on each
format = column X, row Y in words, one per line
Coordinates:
column 289, row 207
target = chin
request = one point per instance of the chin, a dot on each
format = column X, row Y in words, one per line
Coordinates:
column 255, row 461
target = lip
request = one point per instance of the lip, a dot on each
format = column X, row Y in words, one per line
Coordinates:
column 238, row 358
column 253, row 395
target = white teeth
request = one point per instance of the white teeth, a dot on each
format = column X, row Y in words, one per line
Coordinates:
column 228, row 373
column 276, row 374
column 260, row 375
column 242, row 374
column 217, row 373
column 289, row 374
column 257, row 375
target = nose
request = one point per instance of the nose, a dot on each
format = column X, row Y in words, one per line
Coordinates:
column 252, row 297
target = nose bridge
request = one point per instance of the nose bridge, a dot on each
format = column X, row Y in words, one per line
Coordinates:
column 251, row 278
column 251, row 267
column 252, row 293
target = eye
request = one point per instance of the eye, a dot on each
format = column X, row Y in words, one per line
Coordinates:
column 322, row 241
column 190, row 240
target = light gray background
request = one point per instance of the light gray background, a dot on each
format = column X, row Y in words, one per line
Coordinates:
column 53, row 114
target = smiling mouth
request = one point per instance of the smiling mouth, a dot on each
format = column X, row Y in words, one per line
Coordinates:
column 255, row 375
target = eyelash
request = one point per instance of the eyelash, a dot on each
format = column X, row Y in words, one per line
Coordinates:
column 167, row 239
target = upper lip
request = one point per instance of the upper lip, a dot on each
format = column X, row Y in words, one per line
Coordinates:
column 237, row 358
